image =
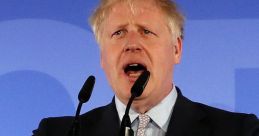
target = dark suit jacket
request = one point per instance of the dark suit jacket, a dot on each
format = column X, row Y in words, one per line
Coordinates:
column 188, row 119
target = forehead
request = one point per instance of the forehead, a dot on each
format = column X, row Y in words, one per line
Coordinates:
column 133, row 6
column 134, row 10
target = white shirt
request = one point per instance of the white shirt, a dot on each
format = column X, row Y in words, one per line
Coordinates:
column 160, row 115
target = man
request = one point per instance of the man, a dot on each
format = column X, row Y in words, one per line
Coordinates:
column 139, row 35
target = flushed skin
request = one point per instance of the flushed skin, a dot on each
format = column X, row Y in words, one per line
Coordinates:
column 139, row 36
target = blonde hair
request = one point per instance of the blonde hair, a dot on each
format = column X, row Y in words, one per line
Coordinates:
column 169, row 7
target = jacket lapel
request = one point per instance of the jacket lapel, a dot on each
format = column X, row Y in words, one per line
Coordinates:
column 105, row 122
column 111, row 122
column 187, row 119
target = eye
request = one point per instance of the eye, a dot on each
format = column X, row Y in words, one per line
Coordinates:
column 118, row 33
column 146, row 31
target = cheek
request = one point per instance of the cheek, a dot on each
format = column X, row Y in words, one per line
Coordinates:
column 164, row 59
column 105, row 59
column 165, row 53
column 108, row 59
column 106, row 63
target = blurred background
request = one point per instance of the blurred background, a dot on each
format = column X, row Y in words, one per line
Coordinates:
column 47, row 50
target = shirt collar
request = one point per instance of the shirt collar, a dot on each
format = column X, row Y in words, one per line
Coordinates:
column 160, row 114
column 121, row 110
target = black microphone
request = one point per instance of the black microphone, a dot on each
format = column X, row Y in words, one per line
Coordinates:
column 86, row 90
column 136, row 90
column 83, row 97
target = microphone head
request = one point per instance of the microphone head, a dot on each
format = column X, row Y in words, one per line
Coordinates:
column 140, row 84
column 86, row 90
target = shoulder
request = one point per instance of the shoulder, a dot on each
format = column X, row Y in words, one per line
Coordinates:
column 224, row 114
column 215, row 115
column 247, row 123
column 56, row 125
column 95, row 115
column 221, row 122
column 53, row 125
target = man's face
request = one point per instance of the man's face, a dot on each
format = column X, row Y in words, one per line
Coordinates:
column 137, row 38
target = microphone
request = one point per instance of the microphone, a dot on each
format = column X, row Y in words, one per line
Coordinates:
column 83, row 97
column 136, row 90
column 86, row 90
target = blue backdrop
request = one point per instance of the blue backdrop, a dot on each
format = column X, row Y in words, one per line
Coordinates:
column 47, row 50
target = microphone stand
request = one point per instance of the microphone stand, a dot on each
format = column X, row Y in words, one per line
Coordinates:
column 75, row 126
column 126, row 129
column 83, row 97
column 136, row 90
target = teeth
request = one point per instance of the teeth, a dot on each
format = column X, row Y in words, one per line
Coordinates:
column 133, row 65
column 135, row 74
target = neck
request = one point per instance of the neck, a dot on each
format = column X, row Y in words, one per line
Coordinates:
column 144, row 105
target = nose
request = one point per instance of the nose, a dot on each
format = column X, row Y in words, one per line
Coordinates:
column 133, row 43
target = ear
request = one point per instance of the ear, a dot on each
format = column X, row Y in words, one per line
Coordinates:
column 178, row 50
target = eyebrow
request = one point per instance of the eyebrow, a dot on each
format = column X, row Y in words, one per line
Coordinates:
column 122, row 25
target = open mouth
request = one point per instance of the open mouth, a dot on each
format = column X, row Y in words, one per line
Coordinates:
column 134, row 70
